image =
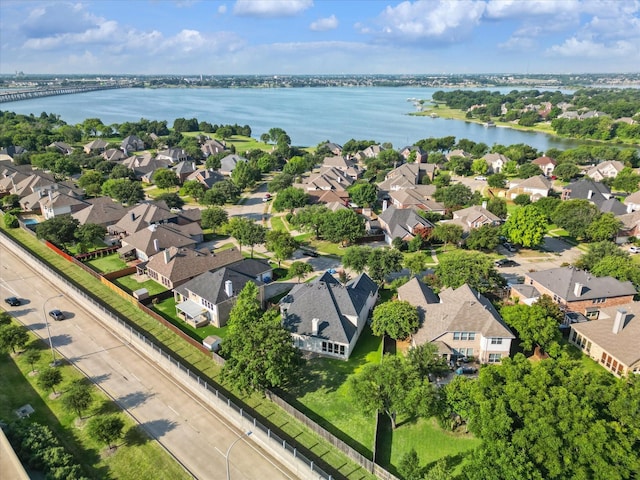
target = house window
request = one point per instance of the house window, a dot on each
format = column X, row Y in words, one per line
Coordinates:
column 464, row 335
column 556, row 298
column 573, row 336
column 588, row 349
column 599, row 300
column 593, row 314
column 495, row 357
column 324, row 346
column 496, row 341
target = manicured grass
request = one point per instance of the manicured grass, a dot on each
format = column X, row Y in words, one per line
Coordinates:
column 194, row 357
column 106, row 264
column 130, row 283
column 323, row 393
column 167, row 309
column 136, row 456
column 277, row 223
column 154, row 191
column 328, row 248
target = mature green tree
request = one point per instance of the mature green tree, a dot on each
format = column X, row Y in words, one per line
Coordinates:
column 214, row 217
column 416, row 263
column 627, row 180
column 497, row 180
column 90, row 233
column 245, row 174
column 472, row 268
column 526, row 226
column 280, row 182
column 12, row 200
column 342, row 226
column 246, row 232
column 522, row 199
column 10, row 220
column 497, row 206
column 289, row 199
column 259, row 351
column 300, row 269
column 281, row 244
column 442, row 179
column 528, row 170
column 393, row 387
column 598, row 251
column 575, row 216
column 123, row 190
column 383, row 261
column 396, row 319
column 546, row 206
column 78, row 397
column 12, row 337
column 426, row 360
column 172, row 199
column 604, row 227
column 121, row 171
column 222, row 192
column 59, row 230
column 32, row 356
column 486, row 237
column 194, row 189
column 457, row 196
column 618, row 267
column 551, row 308
column 363, row 194
column 91, row 181
column 356, row 258
column 534, row 327
column 49, row 378
column 106, row 429
column 409, row 466
column 310, row 218
column 165, row 178
column 480, row 166
column 5, row 318
column 566, row 171
column 447, row 233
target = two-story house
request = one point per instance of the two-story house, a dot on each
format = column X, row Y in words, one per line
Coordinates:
column 403, row 223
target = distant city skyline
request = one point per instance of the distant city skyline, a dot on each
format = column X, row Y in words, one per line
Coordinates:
column 194, row 37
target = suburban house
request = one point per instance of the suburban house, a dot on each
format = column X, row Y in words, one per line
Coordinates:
column 174, row 266
column 150, row 240
column 61, row 147
column 207, row 177
column 630, row 226
column 332, row 147
column 420, row 155
column 546, row 164
column 328, row 197
column 141, row 216
column 403, row 223
column 101, row 211
column 114, row 155
column 212, row 147
column 608, row 169
column 343, row 164
column 474, row 217
column 96, row 146
column 329, row 178
column 144, row 165
column 372, row 151
column 577, row 290
column 632, row 202
column 613, row 340
column 326, row 317
column 172, row 155
column 228, row 163
column 495, row 162
column 597, row 193
column 132, row 143
column 209, row 297
column 183, row 170
column 460, row 322
column 536, row 187
column 418, row 197
column 12, row 150
column 457, row 153
column 57, row 203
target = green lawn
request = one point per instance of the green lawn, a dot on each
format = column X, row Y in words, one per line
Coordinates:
column 167, row 308
column 277, row 223
column 328, row 248
column 131, row 284
column 154, row 191
column 136, row 456
column 106, row 264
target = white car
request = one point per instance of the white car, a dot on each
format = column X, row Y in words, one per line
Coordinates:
column 634, row 249
column 481, row 178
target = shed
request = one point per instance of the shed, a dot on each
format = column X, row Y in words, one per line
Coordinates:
column 212, row 342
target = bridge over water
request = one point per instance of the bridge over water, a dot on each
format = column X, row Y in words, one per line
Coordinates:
column 17, row 95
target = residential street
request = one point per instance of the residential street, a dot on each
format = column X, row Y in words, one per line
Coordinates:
column 182, row 424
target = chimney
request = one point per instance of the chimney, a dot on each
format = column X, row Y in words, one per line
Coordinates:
column 156, row 245
column 590, row 194
column 385, row 204
column 314, row 326
column 167, row 256
column 577, row 289
column 484, row 204
column 618, row 322
column 133, row 217
column 228, row 288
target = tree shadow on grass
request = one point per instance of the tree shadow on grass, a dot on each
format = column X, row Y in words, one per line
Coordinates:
column 106, row 407
column 135, row 436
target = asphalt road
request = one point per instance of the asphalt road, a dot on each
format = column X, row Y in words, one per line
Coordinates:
column 191, row 431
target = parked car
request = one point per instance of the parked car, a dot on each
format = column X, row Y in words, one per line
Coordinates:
column 634, row 249
column 56, row 314
column 267, row 197
column 481, row 178
column 466, row 370
column 505, row 262
column 510, row 247
column 310, row 253
column 13, row 301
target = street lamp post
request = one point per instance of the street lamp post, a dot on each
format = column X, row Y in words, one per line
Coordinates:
column 226, row 456
column 54, row 362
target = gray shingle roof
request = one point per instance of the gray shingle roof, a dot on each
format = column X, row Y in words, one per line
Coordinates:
column 211, row 285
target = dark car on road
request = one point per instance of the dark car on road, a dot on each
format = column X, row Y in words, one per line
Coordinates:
column 510, row 247
column 466, row 370
column 56, row 314
column 310, row 253
column 505, row 262
column 13, row 301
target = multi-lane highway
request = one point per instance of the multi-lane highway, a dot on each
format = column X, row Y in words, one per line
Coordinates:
column 191, row 431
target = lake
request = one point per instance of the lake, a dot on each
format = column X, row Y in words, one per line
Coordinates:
column 308, row 115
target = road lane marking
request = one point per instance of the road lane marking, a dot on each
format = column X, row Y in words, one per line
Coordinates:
column 173, row 410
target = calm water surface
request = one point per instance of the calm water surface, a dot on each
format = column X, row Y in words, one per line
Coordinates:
column 309, row 115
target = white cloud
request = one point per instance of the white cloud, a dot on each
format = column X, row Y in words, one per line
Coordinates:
column 574, row 47
column 222, row 9
column 271, row 8
column 48, row 20
column 501, row 9
column 427, row 20
column 324, row 24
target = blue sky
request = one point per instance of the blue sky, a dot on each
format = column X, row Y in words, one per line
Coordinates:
column 319, row 36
